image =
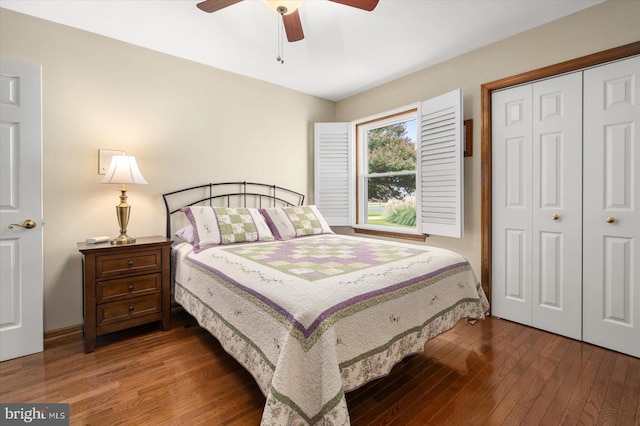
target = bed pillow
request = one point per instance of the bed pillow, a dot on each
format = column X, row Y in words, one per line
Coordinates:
column 213, row 226
column 298, row 221
column 185, row 233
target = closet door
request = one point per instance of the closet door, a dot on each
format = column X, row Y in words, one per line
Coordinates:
column 611, row 312
column 537, row 198
column 557, row 205
column 512, row 210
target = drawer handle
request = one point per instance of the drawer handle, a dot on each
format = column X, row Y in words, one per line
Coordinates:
column 130, row 308
column 131, row 287
column 130, row 263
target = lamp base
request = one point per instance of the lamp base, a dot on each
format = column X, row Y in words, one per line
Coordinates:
column 123, row 239
column 122, row 211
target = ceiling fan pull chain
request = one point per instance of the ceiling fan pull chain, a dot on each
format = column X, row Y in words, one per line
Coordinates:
column 280, row 57
column 282, row 45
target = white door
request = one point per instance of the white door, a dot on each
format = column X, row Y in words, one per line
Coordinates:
column 612, row 206
column 512, row 147
column 557, row 205
column 537, row 197
column 21, row 278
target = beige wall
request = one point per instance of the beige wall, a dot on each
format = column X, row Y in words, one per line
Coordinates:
column 186, row 124
column 601, row 27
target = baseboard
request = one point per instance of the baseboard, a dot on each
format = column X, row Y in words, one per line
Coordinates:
column 60, row 332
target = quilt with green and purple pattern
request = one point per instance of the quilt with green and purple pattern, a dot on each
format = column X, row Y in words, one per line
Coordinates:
column 314, row 317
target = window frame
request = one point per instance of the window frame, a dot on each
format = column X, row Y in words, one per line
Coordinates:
column 360, row 127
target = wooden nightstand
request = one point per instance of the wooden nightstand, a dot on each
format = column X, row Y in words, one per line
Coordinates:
column 125, row 286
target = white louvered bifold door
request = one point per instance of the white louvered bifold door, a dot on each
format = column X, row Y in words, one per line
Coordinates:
column 332, row 163
column 440, row 165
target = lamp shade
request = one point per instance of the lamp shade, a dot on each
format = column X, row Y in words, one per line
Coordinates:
column 123, row 169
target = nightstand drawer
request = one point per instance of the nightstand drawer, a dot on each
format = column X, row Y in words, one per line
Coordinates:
column 124, row 310
column 125, row 264
column 124, row 288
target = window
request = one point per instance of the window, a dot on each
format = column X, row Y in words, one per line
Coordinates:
column 366, row 175
column 386, row 148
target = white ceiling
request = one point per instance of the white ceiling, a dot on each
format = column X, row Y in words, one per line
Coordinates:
column 345, row 50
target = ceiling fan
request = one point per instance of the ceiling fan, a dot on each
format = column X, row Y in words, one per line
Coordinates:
column 288, row 9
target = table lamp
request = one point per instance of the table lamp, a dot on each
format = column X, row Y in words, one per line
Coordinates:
column 123, row 170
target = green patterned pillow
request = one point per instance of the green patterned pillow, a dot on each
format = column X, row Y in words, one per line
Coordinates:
column 293, row 222
column 226, row 225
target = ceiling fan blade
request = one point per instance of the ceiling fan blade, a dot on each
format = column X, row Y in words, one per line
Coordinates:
column 210, row 6
column 293, row 26
column 367, row 5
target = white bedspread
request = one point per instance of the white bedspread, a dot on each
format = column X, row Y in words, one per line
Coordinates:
column 313, row 317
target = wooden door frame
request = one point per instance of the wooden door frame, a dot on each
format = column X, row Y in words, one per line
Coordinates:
column 486, row 90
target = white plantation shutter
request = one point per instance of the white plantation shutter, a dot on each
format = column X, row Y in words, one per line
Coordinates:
column 440, row 168
column 332, row 174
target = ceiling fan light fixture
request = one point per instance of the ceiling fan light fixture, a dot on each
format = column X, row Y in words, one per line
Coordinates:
column 283, row 7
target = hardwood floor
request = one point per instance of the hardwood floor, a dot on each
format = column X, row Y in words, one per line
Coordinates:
column 493, row 373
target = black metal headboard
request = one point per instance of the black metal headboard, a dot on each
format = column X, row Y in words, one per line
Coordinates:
column 229, row 194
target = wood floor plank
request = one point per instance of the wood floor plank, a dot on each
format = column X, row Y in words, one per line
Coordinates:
column 561, row 399
column 494, row 372
column 396, row 403
column 434, row 372
column 553, row 381
column 503, row 406
column 490, row 390
column 550, row 355
column 613, row 396
column 507, row 349
column 630, row 400
column 439, row 377
column 593, row 406
column 581, row 392
column 505, row 395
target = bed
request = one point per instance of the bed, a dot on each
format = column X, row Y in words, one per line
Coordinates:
column 309, row 313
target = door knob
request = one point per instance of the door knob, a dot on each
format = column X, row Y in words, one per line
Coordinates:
column 29, row 224
column 610, row 219
column 555, row 217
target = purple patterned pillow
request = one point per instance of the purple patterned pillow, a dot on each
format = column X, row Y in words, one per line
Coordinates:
column 213, row 226
column 297, row 221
